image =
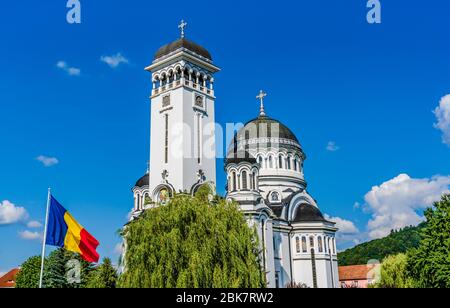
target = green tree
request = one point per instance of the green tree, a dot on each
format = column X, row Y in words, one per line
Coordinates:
column 28, row 277
column 429, row 264
column 192, row 242
column 399, row 241
column 61, row 265
column 103, row 277
column 394, row 274
column 55, row 270
column 57, row 267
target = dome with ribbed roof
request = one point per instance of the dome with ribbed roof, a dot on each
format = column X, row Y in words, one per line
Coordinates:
column 183, row 44
column 265, row 131
column 275, row 129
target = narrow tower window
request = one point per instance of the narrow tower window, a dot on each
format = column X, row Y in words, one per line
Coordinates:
column 320, row 244
column 304, row 248
column 199, row 139
column 166, row 145
column 244, row 180
column 311, row 242
column 270, row 162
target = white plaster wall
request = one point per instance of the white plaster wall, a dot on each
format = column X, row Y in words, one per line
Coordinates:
column 182, row 164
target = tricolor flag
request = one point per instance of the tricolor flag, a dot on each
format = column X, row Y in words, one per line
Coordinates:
column 64, row 231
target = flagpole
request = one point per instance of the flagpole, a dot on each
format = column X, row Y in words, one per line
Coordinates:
column 45, row 239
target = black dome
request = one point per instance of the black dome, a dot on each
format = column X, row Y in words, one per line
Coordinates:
column 262, row 127
column 307, row 212
column 282, row 132
column 183, row 43
column 143, row 181
column 238, row 157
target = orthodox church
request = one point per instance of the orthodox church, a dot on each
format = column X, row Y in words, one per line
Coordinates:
column 264, row 167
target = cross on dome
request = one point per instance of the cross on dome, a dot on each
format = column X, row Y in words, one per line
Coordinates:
column 182, row 26
column 261, row 97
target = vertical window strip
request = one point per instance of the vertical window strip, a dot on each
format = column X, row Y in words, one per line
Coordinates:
column 166, row 145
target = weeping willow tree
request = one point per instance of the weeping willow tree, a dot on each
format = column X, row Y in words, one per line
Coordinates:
column 192, row 242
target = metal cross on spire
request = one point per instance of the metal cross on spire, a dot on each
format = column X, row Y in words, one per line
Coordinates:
column 182, row 26
column 261, row 96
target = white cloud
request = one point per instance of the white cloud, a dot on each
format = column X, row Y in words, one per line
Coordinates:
column 47, row 161
column 34, row 224
column 10, row 214
column 114, row 60
column 443, row 119
column 332, row 147
column 31, row 236
column 345, row 226
column 72, row 71
column 398, row 203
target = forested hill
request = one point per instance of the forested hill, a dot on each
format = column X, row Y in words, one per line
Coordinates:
column 396, row 242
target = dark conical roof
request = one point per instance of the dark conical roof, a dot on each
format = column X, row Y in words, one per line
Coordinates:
column 307, row 212
column 143, row 181
column 183, row 43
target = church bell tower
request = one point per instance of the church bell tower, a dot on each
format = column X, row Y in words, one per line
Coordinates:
column 182, row 141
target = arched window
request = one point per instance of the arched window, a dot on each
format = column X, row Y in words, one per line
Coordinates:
column 304, row 248
column 295, row 164
column 234, row 180
column 288, row 163
column 280, row 162
column 260, row 161
column 320, row 244
column 254, row 181
column 334, row 246
column 325, row 242
column 271, row 162
column 244, row 180
column 297, row 244
column 311, row 242
column 251, row 182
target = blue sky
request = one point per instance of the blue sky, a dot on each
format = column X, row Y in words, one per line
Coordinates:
column 331, row 77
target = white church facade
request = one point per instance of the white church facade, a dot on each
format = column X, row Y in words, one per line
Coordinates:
column 264, row 167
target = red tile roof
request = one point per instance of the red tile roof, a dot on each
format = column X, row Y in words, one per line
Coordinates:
column 9, row 279
column 356, row 272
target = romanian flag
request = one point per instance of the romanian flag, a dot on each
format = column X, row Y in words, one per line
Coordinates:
column 64, row 231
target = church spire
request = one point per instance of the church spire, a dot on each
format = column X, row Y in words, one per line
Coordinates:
column 261, row 96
